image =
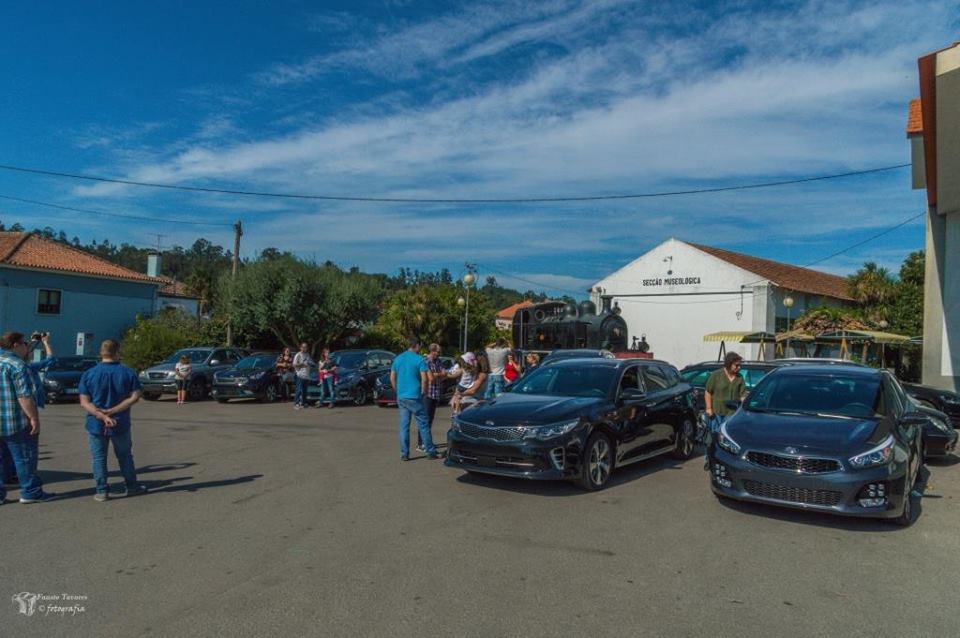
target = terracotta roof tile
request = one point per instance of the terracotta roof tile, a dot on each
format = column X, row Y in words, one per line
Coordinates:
column 784, row 275
column 173, row 288
column 915, row 118
column 27, row 250
column 509, row 311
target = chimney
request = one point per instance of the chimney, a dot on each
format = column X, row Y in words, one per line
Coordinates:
column 153, row 264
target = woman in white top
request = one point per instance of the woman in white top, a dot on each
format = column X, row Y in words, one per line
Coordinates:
column 471, row 380
column 182, row 372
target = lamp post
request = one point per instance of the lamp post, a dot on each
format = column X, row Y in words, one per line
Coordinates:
column 468, row 280
column 883, row 346
column 788, row 304
column 461, row 302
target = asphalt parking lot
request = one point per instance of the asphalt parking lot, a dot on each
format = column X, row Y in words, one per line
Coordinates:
column 265, row 521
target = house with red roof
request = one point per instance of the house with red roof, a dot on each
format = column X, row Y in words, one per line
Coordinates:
column 79, row 298
column 679, row 292
column 504, row 318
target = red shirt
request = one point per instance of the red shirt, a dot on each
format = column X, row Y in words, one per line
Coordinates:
column 510, row 372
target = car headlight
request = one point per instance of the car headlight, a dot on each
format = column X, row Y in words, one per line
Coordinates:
column 728, row 444
column 950, row 398
column 455, row 425
column 51, row 383
column 879, row 455
column 258, row 375
column 171, row 374
column 144, row 374
column 544, row 432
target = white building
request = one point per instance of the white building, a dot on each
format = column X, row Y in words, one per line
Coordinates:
column 678, row 292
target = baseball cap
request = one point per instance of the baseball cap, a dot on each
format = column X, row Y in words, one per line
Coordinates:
column 470, row 358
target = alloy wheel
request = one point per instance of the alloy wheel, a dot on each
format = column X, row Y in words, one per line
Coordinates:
column 196, row 390
column 598, row 464
column 685, row 440
column 360, row 395
column 270, row 395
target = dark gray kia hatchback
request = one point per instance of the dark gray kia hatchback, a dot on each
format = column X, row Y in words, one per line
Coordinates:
column 837, row 439
column 577, row 419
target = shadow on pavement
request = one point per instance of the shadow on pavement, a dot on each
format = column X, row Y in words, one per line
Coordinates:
column 60, row 476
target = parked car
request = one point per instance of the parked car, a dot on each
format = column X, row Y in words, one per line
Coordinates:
column 61, row 378
column 385, row 396
column 575, row 353
column 698, row 373
column 942, row 400
column 254, row 377
column 939, row 436
column 577, row 419
column 161, row 379
column 357, row 374
column 838, row 439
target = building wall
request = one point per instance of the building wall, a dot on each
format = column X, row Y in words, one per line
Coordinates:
column 675, row 323
column 102, row 307
column 941, row 313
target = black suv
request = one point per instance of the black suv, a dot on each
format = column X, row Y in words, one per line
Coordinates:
column 357, row 372
column 577, row 419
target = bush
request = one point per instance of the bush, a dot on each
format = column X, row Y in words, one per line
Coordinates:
column 153, row 339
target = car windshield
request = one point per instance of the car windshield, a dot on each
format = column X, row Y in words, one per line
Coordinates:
column 259, row 362
column 71, row 364
column 348, row 359
column 834, row 395
column 195, row 356
column 568, row 381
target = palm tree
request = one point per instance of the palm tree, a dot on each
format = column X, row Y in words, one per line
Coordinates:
column 871, row 285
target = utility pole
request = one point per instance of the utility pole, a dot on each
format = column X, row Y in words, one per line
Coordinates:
column 237, row 234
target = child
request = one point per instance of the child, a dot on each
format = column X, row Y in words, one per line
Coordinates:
column 471, row 380
column 182, row 372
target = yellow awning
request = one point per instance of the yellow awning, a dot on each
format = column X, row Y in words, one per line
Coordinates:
column 739, row 337
column 794, row 335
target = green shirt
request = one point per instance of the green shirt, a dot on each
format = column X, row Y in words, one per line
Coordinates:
column 722, row 389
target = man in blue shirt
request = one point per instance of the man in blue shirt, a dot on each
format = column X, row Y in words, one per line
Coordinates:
column 107, row 391
column 408, row 376
column 19, row 418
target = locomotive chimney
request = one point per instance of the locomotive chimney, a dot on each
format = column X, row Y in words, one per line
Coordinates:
column 605, row 304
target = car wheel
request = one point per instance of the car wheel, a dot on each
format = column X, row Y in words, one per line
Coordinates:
column 686, row 439
column 906, row 516
column 270, row 394
column 197, row 390
column 360, row 395
column 151, row 396
column 597, row 462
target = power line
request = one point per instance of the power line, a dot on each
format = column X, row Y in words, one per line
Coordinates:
column 100, row 212
column 419, row 200
column 634, row 300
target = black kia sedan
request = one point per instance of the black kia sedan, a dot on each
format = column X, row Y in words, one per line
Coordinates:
column 254, row 377
column 62, row 377
column 943, row 400
column 838, row 439
column 577, row 419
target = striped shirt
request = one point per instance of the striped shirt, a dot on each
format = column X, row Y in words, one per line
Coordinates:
column 15, row 384
column 436, row 368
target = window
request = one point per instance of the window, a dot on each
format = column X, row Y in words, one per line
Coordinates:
column 48, row 302
column 630, row 379
column 654, row 379
column 670, row 375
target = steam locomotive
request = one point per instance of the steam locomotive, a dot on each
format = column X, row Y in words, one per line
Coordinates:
column 555, row 325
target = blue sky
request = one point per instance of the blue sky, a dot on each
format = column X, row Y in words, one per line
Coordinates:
column 473, row 99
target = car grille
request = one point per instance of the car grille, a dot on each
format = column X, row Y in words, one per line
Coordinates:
column 157, row 375
column 826, row 498
column 793, row 463
column 494, row 433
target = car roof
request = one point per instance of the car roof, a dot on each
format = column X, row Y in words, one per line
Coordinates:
column 604, row 362
column 827, row 370
column 719, row 364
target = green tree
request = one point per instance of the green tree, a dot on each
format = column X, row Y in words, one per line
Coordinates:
column 285, row 301
column 153, row 339
column 871, row 285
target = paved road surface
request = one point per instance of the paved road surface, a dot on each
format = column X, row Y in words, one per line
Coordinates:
column 265, row 521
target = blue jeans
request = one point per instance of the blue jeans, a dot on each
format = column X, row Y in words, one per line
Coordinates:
column 326, row 391
column 9, row 472
column 24, row 451
column 494, row 386
column 122, row 449
column 414, row 407
column 714, row 424
column 300, row 394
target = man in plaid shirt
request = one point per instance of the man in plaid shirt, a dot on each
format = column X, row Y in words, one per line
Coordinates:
column 431, row 399
column 19, row 419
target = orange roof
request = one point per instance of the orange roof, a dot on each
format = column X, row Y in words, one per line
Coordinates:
column 915, row 118
column 509, row 311
column 27, row 250
column 173, row 288
column 785, row 275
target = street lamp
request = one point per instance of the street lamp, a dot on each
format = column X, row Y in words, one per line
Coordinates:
column 468, row 280
column 461, row 302
column 788, row 304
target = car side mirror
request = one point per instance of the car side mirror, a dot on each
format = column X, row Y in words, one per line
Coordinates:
column 215, row 362
column 732, row 405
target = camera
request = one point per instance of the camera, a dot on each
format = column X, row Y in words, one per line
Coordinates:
column 37, row 335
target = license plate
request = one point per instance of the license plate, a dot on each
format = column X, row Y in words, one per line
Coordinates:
column 71, row 391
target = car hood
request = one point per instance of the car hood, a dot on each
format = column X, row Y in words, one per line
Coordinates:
column 236, row 373
column 811, row 434
column 518, row 408
column 163, row 367
column 68, row 378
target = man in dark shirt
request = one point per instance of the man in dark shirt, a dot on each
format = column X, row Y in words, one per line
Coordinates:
column 107, row 391
column 725, row 384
